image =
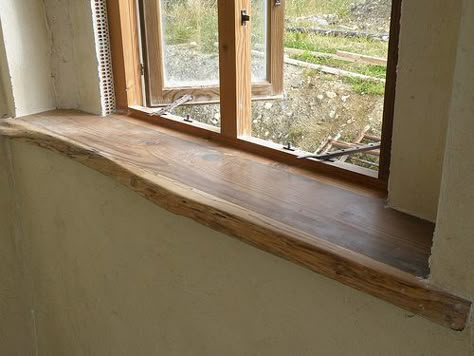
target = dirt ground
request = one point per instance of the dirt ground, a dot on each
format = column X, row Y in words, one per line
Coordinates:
column 315, row 105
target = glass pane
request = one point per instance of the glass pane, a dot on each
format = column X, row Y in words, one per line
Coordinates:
column 259, row 40
column 334, row 78
column 191, row 52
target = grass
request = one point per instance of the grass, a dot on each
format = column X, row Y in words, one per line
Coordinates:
column 330, row 44
column 195, row 21
column 188, row 21
column 365, row 87
column 299, row 8
column 375, row 71
column 359, row 86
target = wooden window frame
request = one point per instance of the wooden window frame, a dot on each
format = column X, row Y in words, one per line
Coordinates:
column 235, row 99
column 157, row 93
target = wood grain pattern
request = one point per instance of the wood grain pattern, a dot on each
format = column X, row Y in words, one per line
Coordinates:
column 339, row 170
column 128, row 96
column 343, row 234
column 152, row 50
column 234, row 68
column 277, row 31
column 125, row 54
column 390, row 91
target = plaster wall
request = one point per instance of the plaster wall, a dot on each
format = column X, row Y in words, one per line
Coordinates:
column 6, row 95
column 428, row 42
column 27, row 51
column 16, row 319
column 452, row 261
column 50, row 58
column 74, row 63
column 116, row 275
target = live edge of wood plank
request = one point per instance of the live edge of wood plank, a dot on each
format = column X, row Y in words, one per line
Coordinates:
column 400, row 288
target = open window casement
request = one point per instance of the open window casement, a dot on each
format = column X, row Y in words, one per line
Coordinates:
column 169, row 45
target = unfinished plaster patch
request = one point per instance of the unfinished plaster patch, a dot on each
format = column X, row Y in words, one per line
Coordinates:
column 102, row 40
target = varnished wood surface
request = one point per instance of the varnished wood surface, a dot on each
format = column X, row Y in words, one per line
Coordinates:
column 390, row 91
column 234, row 68
column 345, row 234
column 125, row 54
column 124, row 45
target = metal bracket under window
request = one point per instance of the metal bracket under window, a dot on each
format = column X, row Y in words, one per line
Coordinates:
column 344, row 152
column 169, row 108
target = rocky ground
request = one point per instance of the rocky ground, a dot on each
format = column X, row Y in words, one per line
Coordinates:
column 315, row 105
column 362, row 15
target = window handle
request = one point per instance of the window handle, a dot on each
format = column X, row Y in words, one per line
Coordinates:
column 244, row 17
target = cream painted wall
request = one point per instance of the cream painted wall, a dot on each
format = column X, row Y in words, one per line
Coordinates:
column 28, row 55
column 6, row 96
column 74, row 62
column 452, row 260
column 50, row 56
column 116, row 275
column 16, row 324
column 429, row 32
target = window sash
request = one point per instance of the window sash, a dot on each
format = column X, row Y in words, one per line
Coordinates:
column 157, row 93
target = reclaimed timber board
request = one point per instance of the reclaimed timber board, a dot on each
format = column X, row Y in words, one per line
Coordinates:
column 341, row 233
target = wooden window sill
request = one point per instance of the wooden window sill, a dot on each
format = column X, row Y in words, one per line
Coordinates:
column 337, row 229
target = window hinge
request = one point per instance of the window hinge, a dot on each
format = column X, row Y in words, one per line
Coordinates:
column 142, row 69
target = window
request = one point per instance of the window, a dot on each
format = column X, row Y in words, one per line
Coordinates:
column 181, row 49
column 234, row 76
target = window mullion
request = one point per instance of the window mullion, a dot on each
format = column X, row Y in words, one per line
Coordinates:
column 234, row 68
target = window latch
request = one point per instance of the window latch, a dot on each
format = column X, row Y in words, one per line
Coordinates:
column 245, row 17
column 277, row 2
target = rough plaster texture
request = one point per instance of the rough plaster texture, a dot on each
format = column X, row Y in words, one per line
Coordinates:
column 28, row 55
column 16, row 336
column 7, row 106
column 453, row 251
column 116, row 275
column 429, row 32
column 74, row 63
column 50, row 57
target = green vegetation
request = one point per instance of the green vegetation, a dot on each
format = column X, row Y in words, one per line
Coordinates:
column 361, row 68
column 365, row 87
column 187, row 21
column 195, row 21
column 191, row 21
column 299, row 8
column 330, row 44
